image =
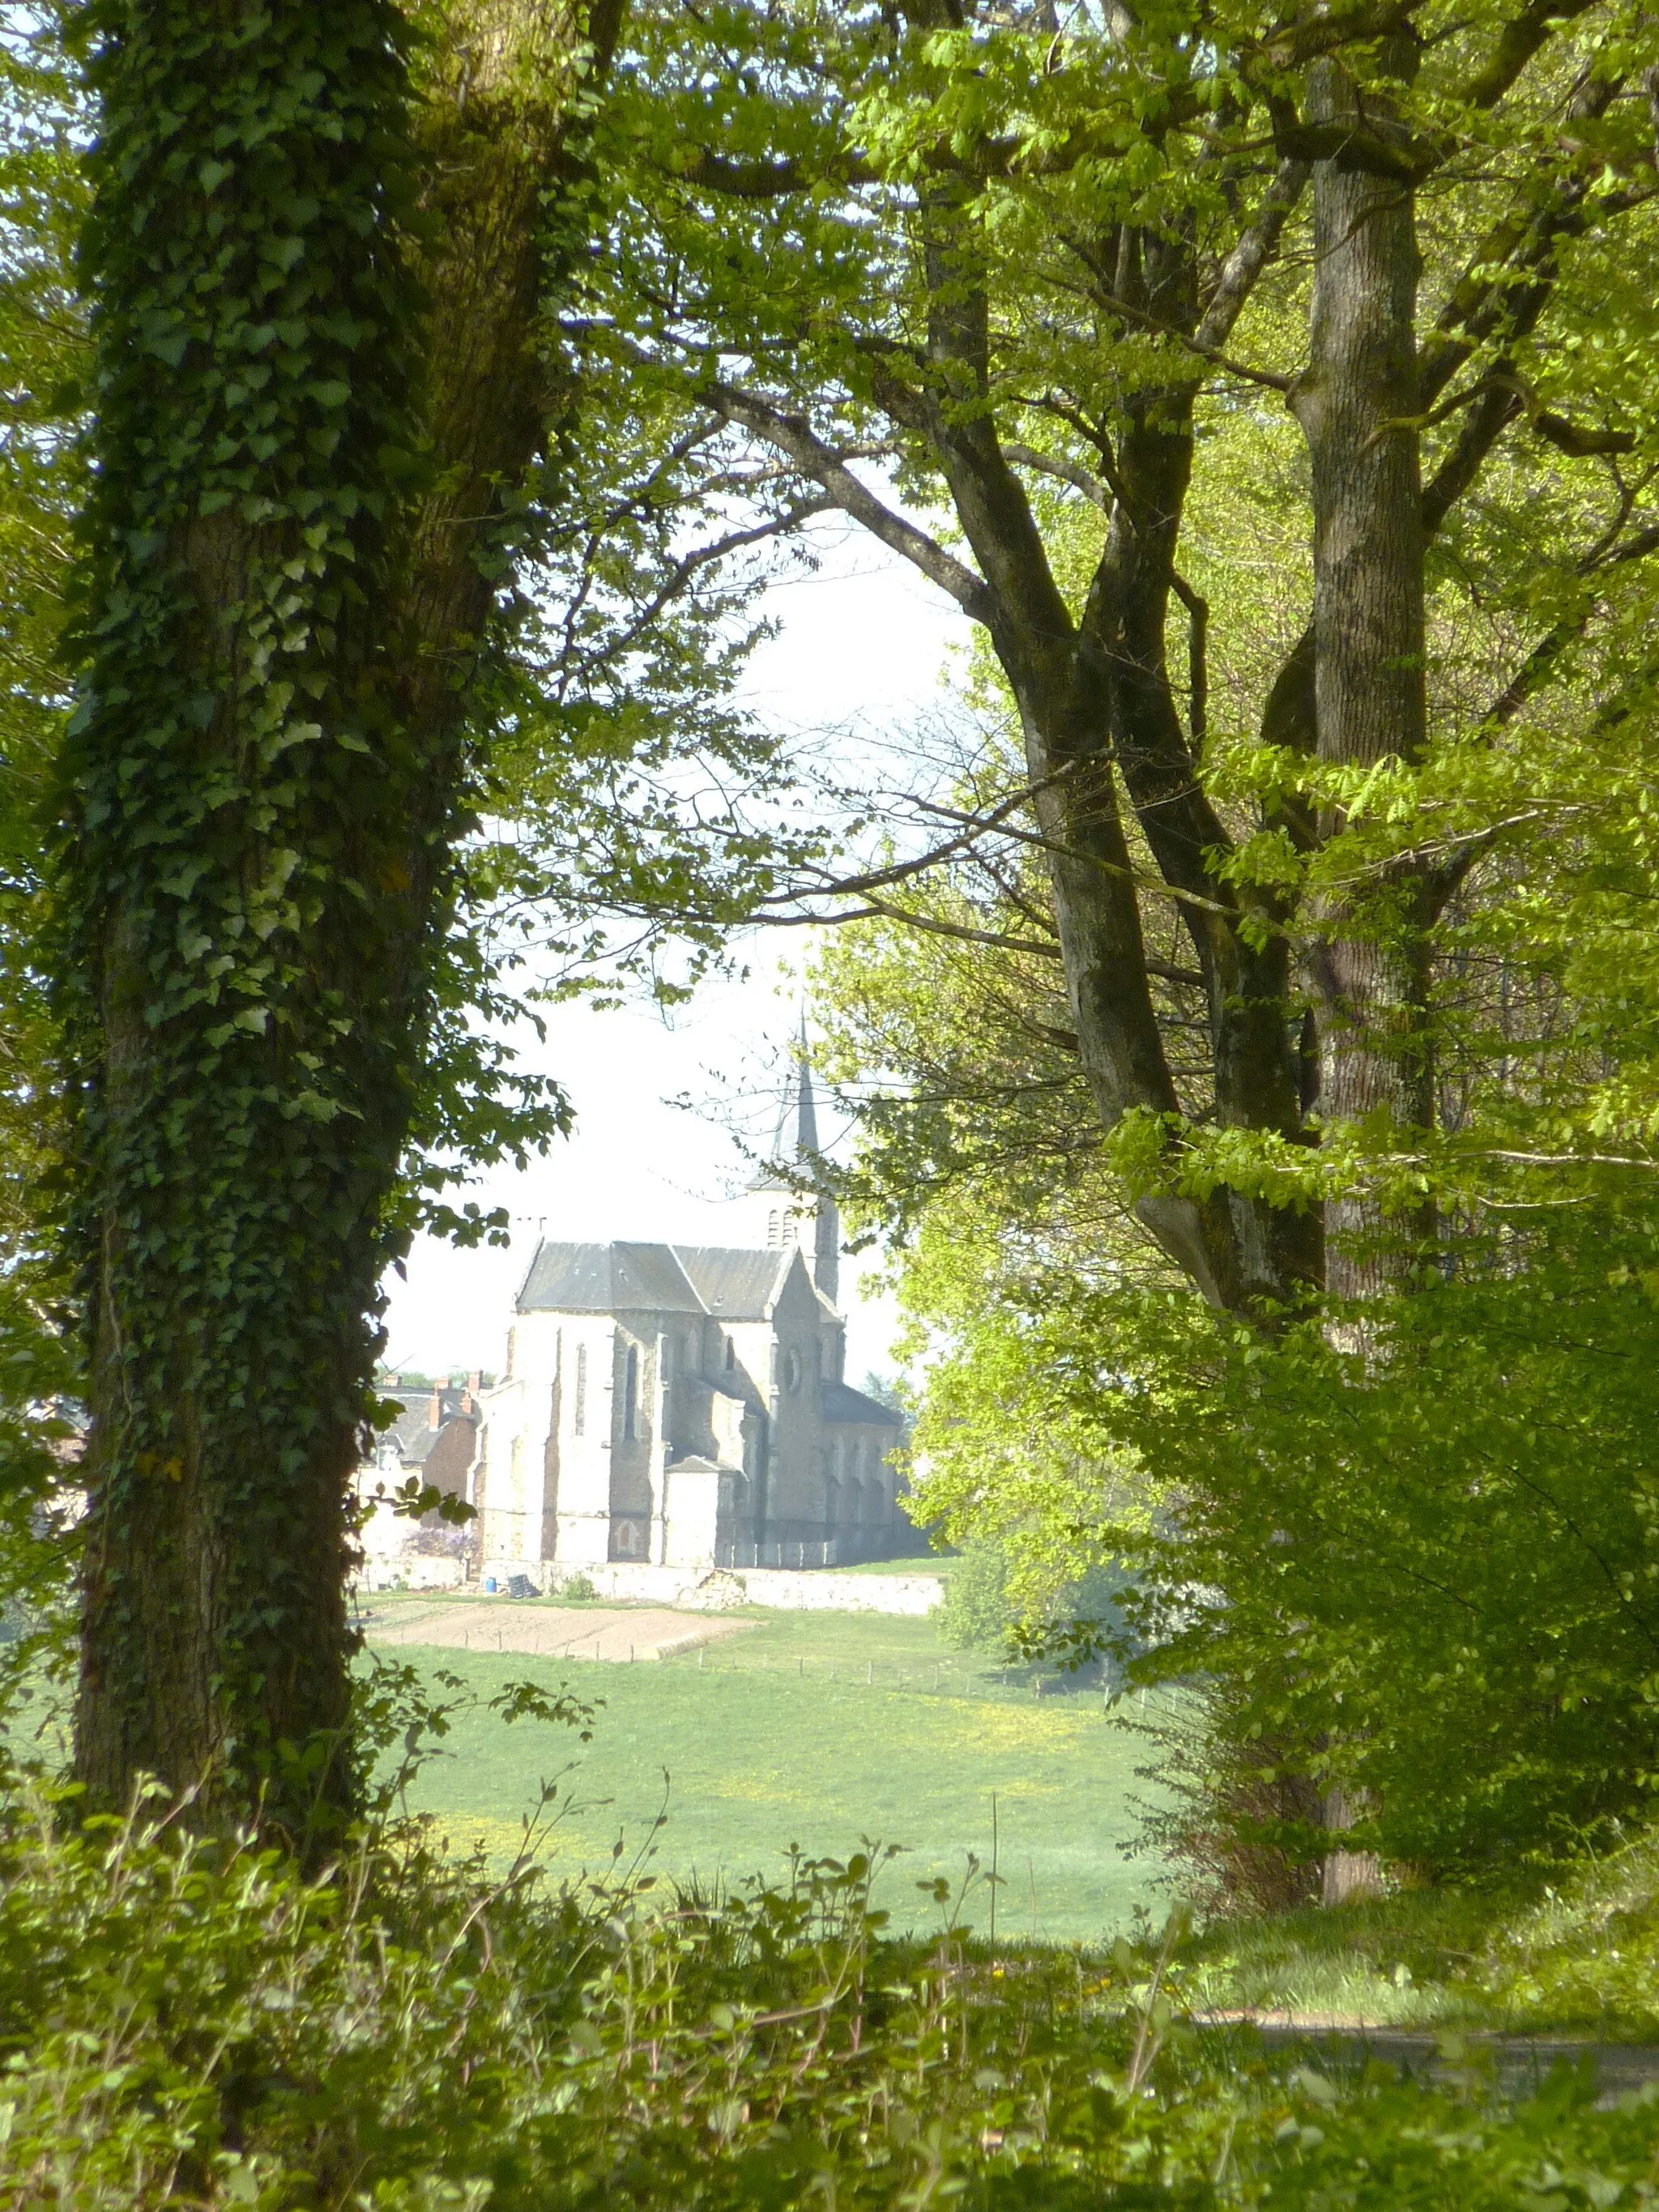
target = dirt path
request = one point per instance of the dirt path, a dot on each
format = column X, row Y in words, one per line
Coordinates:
column 548, row 1631
column 1517, row 2065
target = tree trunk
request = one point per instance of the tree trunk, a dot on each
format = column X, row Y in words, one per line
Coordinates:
column 261, row 792
column 1366, row 959
column 1357, row 403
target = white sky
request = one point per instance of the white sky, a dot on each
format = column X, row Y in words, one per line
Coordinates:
column 862, row 647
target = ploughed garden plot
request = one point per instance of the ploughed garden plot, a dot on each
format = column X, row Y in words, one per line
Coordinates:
column 545, row 1632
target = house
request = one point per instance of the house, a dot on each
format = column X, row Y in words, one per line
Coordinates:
column 434, row 1441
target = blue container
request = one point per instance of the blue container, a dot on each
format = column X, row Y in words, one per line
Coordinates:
column 490, row 1585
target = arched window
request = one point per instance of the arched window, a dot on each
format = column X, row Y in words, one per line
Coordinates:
column 579, row 1420
column 731, row 1357
column 792, row 1369
column 630, row 1394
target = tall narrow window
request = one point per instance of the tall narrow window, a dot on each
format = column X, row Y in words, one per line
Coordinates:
column 731, row 1357
column 579, row 1423
column 630, row 1393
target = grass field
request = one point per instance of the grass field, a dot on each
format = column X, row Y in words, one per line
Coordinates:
column 924, row 1563
column 815, row 1730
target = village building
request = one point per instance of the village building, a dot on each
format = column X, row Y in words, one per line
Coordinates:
column 687, row 1406
column 434, row 1441
column 435, row 1436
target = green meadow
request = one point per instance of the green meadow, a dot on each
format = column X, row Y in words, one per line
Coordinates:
column 813, row 1731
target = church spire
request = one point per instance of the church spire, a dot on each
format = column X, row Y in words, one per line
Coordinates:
column 826, row 1220
column 815, row 1226
column 806, row 1111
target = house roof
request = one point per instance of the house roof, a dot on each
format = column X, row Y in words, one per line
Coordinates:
column 698, row 1279
column 841, row 1403
column 412, row 1430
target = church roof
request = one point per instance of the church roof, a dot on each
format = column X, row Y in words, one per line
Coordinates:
column 841, row 1402
column 735, row 1285
column 607, row 1279
column 731, row 1284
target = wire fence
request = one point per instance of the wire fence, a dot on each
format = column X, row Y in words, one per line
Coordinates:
column 943, row 1678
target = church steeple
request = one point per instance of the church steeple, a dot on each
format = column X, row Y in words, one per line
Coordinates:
column 826, row 1221
column 806, row 1111
column 812, row 1224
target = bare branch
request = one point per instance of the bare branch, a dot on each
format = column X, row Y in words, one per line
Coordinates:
column 1270, row 377
column 1070, row 472
column 1254, row 250
column 793, row 435
column 764, row 180
column 1156, row 884
column 686, row 571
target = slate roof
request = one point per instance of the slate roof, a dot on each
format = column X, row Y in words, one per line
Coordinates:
column 412, row 1429
column 607, row 1279
column 736, row 1286
column 841, row 1403
column 733, row 1285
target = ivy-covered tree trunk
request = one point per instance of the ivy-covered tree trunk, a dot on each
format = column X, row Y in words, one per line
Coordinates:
column 237, row 884
column 262, row 786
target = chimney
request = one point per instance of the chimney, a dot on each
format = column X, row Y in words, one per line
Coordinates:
column 474, row 1382
column 435, row 1419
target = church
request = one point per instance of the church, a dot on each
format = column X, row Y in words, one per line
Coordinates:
column 686, row 1406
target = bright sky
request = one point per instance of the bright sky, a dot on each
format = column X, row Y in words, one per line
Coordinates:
column 860, row 652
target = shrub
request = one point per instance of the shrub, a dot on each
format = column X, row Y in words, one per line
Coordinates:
column 975, row 1613
column 989, row 1607
column 190, row 2023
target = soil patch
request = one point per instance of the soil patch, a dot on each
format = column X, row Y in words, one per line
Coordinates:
column 550, row 1631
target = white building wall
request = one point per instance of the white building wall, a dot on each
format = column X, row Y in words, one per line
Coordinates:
column 635, row 1460
column 581, row 1519
column 509, row 1512
column 796, row 1498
